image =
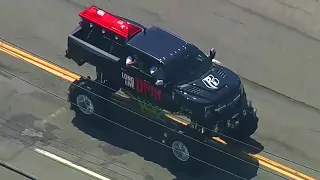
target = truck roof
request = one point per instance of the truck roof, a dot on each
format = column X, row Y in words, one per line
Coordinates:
column 160, row 44
column 110, row 22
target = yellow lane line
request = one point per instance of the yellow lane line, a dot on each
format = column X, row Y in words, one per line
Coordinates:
column 280, row 166
column 52, row 71
column 70, row 76
column 294, row 174
column 43, row 64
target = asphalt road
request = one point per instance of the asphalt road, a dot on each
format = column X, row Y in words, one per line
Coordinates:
column 40, row 167
column 255, row 45
column 8, row 174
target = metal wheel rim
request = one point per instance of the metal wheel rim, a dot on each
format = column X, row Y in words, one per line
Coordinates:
column 180, row 151
column 85, row 104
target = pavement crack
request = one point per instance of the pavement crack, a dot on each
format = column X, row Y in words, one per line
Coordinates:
column 288, row 148
column 149, row 177
column 153, row 15
column 289, row 27
column 227, row 18
column 313, row 130
column 14, row 155
column 292, row 7
column 280, row 94
column 76, row 4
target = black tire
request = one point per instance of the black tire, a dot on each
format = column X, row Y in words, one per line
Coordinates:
column 250, row 126
column 195, row 150
column 83, row 93
column 67, row 55
column 247, row 128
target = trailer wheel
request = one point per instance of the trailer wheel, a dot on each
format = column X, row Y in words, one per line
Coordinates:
column 186, row 153
column 85, row 104
column 180, row 151
column 84, row 100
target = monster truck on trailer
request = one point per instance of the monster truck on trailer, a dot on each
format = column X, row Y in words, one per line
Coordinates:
column 194, row 95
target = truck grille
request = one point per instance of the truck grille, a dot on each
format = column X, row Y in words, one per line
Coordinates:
column 194, row 90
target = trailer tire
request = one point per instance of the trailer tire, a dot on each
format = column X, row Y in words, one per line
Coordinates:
column 83, row 99
column 186, row 153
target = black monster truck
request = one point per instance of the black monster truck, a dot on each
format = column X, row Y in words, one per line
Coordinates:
column 190, row 92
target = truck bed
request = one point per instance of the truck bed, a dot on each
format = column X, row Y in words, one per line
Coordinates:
column 81, row 50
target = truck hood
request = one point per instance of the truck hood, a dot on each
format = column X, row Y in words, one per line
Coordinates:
column 216, row 86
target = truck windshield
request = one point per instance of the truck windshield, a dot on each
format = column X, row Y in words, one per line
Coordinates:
column 194, row 64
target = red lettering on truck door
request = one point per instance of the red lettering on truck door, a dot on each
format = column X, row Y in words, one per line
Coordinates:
column 147, row 89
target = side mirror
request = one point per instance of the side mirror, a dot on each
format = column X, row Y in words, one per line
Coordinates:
column 212, row 53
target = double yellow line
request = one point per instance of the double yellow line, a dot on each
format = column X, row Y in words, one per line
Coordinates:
column 36, row 61
column 281, row 169
column 70, row 76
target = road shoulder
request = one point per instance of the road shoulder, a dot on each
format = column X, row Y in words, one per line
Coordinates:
column 36, row 164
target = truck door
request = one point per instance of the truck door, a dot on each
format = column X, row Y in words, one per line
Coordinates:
column 131, row 74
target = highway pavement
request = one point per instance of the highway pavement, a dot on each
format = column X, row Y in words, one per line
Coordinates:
column 258, row 47
column 34, row 164
column 8, row 174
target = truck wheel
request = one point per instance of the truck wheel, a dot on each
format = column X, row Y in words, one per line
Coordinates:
column 180, row 151
column 251, row 126
column 67, row 55
column 186, row 153
column 85, row 104
column 247, row 128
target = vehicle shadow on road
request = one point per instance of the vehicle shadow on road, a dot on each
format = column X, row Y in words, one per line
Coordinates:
column 249, row 145
column 226, row 166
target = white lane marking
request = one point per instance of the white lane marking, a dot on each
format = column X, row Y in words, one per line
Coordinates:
column 70, row 164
